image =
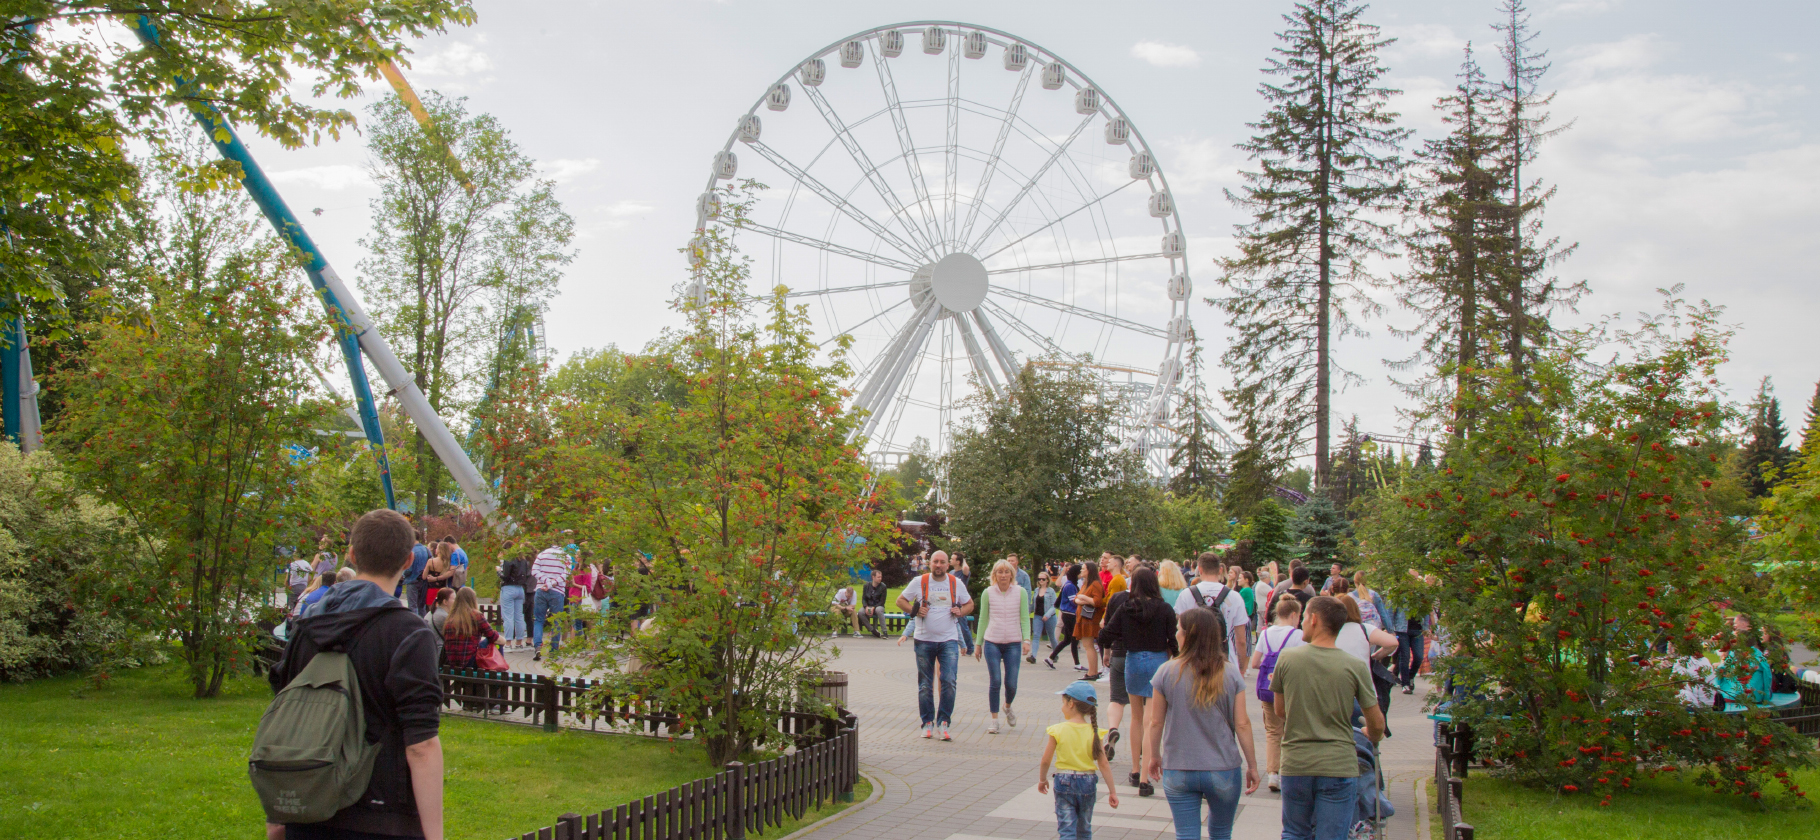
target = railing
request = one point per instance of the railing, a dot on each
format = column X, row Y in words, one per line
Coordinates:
column 893, row 623
column 1453, row 751
column 1805, row 716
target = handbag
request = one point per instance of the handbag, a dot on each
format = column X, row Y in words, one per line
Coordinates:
column 489, row 658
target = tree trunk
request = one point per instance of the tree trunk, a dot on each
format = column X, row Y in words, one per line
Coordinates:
column 1323, row 377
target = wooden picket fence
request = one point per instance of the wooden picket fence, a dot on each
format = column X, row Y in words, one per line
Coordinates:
column 1453, row 750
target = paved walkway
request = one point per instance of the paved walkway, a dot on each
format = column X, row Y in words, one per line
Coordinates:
column 982, row 787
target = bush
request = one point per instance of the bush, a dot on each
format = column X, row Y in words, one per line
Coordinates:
column 55, row 545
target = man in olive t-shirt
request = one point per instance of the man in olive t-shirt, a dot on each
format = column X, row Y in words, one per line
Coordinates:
column 1316, row 687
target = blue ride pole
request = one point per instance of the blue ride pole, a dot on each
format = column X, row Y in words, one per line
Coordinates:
column 276, row 211
column 18, row 388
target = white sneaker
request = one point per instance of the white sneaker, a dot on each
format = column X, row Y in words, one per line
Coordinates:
column 1276, row 782
column 929, row 732
column 1010, row 717
column 993, row 729
column 945, row 735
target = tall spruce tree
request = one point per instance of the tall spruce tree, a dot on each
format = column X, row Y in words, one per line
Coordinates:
column 1527, row 293
column 1459, row 248
column 1196, row 460
column 1326, row 152
column 1765, row 455
column 1810, row 427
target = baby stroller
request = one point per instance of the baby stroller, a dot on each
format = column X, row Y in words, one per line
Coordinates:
column 1373, row 806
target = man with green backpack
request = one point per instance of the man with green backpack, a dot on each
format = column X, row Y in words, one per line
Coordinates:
column 349, row 747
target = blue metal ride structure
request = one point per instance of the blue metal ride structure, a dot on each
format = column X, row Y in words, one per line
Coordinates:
column 18, row 388
column 354, row 330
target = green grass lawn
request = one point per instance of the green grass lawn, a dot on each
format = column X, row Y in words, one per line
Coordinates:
column 140, row 759
column 1661, row 808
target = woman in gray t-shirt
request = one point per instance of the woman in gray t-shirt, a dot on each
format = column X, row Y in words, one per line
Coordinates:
column 1198, row 730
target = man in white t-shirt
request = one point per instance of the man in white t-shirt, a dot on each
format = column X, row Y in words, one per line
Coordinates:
column 938, row 601
column 1231, row 608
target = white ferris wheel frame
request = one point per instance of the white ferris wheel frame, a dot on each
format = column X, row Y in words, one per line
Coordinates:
column 879, row 384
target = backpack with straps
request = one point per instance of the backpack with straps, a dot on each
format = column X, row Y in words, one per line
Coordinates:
column 1269, row 665
column 1200, row 602
column 310, row 755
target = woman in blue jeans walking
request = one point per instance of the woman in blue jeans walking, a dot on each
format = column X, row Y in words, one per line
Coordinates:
column 1143, row 625
column 1004, row 637
column 1199, row 732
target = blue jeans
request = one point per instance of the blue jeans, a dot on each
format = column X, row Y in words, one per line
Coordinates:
column 512, row 611
column 1007, row 656
column 927, row 655
column 1318, row 807
column 1140, row 666
column 1075, row 794
column 415, row 593
column 1043, row 630
column 1408, row 659
column 545, row 603
column 1186, row 789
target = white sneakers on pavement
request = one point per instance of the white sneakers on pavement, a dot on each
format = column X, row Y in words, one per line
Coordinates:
column 1010, row 716
column 929, row 732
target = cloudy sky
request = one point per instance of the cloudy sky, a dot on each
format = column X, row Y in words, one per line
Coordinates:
column 1691, row 158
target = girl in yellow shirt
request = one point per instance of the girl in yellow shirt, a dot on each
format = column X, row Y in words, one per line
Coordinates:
column 1075, row 749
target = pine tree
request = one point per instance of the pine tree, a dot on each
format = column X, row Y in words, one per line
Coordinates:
column 1196, row 460
column 1347, row 476
column 1425, row 458
column 1765, row 456
column 1527, row 293
column 1320, row 527
column 1268, row 529
column 1458, row 243
column 1327, row 161
column 1810, row 429
column 1253, row 478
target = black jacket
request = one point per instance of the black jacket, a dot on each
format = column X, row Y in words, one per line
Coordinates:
column 1138, row 625
column 874, row 594
column 394, row 653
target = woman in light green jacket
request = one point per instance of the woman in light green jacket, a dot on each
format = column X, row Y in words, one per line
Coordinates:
column 1004, row 637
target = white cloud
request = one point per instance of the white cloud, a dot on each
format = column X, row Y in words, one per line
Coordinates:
column 1565, row 8
column 1424, row 40
column 333, row 177
column 564, row 170
column 1622, row 108
column 623, row 213
column 453, row 61
column 1200, row 165
column 1160, row 54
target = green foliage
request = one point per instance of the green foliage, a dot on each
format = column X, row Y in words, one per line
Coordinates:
column 743, row 490
column 1765, row 454
column 1659, row 807
column 1191, row 524
column 185, row 429
column 1196, row 460
column 1810, row 427
column 467, row 249
column 1791, row 542
column 1320, row 530
column 1040, row 472
column 72, row 100
column 1567, row 540
column 56, row 544
column 915, row 475
column 1268, row 531
column 1327, row 165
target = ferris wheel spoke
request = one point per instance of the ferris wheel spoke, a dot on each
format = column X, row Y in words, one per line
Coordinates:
column 842, row 250
column 1059, row 219
column 844, row 206
column 951, row 171
column 888, row 83
column 875, row 316
column 1110, row 320
column 923, row 236
column 889, row 377
column 1000, row 350
column 1060, row 150
column 1073, row 263
column 998, row 148
column 978, row 358
column 1034, row 335
column 863, row 287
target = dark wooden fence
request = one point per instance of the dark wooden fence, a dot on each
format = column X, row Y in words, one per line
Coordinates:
column 893, row 622
column 1803, row 717
column 1453, row 750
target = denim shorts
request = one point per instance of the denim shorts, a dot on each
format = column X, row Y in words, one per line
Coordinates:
column 1140, row 666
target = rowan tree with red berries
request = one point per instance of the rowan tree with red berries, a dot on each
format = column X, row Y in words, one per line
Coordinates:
column 1573, row 553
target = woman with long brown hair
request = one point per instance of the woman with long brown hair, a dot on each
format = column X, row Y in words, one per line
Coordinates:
column 1089, row 608
column 464, row 630
column 1197, row 732
column 437, row 573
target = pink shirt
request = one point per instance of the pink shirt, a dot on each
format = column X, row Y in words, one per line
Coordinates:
column 1004, row 628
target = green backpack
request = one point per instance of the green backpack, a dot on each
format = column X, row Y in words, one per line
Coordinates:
column 310, row 756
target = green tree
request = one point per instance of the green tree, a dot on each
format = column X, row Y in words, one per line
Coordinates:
column 1810, row 426
column 915, row 475
column 1321, row 530
column 743, row 491
column 71, row 101
column 1040, row 471
column 467, row 249
column 1196, row 460
column 1191, row 524
column 188, row 430
column 1526, row 291
column 1568, row 542
column 1327, row 168
column 1765, row 454
column 1268, row 531
column 1457, row 244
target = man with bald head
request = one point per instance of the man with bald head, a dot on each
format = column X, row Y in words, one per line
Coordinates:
column 939, row 602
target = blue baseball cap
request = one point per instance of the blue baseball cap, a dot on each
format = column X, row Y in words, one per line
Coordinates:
column 1082, row 691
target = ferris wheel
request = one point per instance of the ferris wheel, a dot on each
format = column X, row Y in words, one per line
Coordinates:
column 962, row 202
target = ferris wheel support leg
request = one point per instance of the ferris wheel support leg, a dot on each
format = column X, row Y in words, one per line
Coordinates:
column 978, row 357
column 355, row 331
column 1006, row 361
